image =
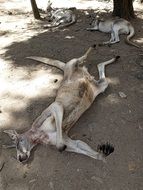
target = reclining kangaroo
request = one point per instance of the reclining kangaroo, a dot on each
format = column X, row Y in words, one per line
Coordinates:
column 115, row 26
column 74, row 96
column 59, row 17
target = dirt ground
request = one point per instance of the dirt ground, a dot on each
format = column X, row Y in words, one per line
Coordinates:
column 27, row 88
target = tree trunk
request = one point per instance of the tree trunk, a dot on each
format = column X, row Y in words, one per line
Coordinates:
column 35, row 10
column 123, row 9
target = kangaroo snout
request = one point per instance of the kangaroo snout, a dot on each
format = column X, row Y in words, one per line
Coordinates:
column 23, row 158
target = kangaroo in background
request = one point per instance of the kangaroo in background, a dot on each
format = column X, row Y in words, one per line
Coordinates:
column 75, row 95
column 115, row 26
column 59, row 17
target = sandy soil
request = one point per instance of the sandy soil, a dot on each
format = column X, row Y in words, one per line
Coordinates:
column 27, row 87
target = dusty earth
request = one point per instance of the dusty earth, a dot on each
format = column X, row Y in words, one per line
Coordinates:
column 27, row 87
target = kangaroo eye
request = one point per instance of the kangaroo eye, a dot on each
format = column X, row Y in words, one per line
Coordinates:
column 21, row 141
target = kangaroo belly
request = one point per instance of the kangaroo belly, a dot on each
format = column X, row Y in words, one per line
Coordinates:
column 124, row 30
column 105, row 26
column 76, row 98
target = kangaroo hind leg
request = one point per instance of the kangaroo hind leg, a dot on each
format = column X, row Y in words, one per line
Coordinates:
column 116, row 36
column 103, row 82
column 81, row 147
column 57, row 111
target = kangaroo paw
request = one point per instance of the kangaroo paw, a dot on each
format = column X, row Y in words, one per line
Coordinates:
column 106, row 149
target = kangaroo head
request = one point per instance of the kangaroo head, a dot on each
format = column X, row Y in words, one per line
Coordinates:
column 95, row 24
column 49, row 7
column 22, row 143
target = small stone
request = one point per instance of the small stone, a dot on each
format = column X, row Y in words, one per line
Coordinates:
column 69, row 37
column 93, row 177
column 98, row 179
column 78, row 170
column 24, row 175
column 140, row 127
column 122, row 95
column 139, row 75
column 141, row 63
column 32, row 180
column 113, row 98
column 51, row 185
column 139, row 60
column 132, row 166
column 79, row 20
column 131, row 61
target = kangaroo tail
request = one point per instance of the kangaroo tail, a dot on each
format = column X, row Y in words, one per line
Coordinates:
column 131, row 34
column 52, row 62
column 52, row 25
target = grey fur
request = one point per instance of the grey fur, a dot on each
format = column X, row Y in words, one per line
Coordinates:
column 115, row 26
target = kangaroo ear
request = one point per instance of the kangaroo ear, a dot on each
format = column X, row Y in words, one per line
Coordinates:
column 49, row 3
column 98, row 17
column 12, row 134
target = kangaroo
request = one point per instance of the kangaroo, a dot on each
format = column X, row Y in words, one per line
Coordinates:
column 59, row 17
column 75, row 95
column 115, row 26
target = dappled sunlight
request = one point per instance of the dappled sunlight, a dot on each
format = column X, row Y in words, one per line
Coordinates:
column 13, row 103
column 5, row 42
column 82, row 4
column 15, row 5
column 19, row 87
column 17, row 32
column 41, row 84
column 4, row 65
column 5, row 120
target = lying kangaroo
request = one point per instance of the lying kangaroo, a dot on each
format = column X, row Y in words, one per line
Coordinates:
column 115, row 26
column 59, row 17
column 74, row 96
